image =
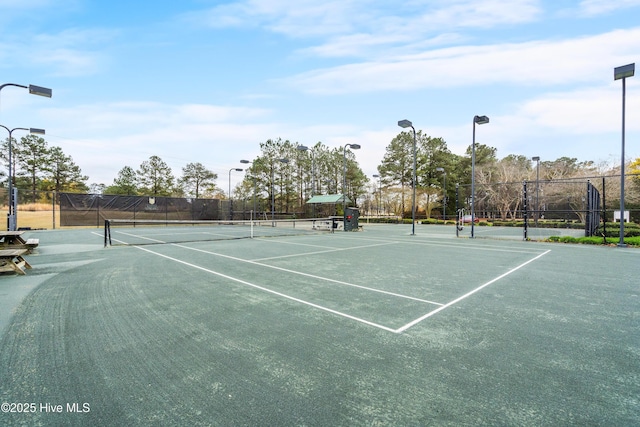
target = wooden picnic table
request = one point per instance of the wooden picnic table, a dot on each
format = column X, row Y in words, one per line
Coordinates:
column 14, row 240
column 11, row 260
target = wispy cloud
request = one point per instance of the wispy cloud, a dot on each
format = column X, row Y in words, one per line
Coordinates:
column 418, row 26
column 479, row 14
column 101, row 117
column 247, row 13
column 377, row 45
column 305, row 18
column 73, row 52
column 600, row 7
column 23, row 5
column 531, row 63
column 565, row 124
column 68, row 62
column 339, row 18
column 368, row 28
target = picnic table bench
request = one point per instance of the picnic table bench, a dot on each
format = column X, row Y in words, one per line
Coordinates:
column 322, row 224
column 11, row 260
column 14, row 240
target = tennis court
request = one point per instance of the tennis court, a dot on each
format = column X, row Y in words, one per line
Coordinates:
column 377, row 327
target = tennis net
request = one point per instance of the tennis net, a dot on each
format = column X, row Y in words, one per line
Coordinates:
column 149, row 232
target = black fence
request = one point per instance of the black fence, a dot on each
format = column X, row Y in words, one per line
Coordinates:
column 595, row 211
column 571, row 203
column 93, row 209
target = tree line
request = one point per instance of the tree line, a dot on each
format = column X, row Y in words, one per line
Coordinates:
column 443, row 180
column 155, row 178
column 286, row 174
column 36, row 167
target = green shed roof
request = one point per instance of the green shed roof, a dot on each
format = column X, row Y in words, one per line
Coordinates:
column 329, row 198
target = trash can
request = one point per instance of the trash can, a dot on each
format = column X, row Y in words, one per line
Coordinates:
column 351, row 219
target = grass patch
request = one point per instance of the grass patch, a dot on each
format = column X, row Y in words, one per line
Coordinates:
column 595, row 240
column 38, row 219
column 31, row 207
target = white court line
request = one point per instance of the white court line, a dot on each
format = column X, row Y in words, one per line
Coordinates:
column 302, row 273
column 137, row 236
column 326, row 279
column 441, row 244
column 457, row 300
column 189, row 233
column 262, row 288
column 397, row 331
column 275, row 239
column 325, row 251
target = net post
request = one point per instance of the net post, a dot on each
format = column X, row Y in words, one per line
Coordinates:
column 525, row 210
column 251, row 222
column 107, row 233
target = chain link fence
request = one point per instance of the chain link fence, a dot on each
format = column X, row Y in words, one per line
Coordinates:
column 538, row 209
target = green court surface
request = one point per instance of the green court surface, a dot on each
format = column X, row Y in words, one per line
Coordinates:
column 371, row 328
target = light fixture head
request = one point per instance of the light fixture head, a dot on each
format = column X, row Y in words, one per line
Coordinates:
column 536, row 158
column 41, row 91
column 405, row 123
column 624, row 71
column 481, row 120
column 354, row 146
column 36, row 131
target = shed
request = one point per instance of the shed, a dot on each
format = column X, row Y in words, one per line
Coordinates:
column 330, row 199
column 326, row 205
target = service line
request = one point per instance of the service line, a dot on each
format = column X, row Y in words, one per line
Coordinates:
column 457, row 300
column 262, row 288
column 329, row 250
column 313, row 276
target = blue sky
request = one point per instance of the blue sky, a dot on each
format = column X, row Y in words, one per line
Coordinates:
column 207, row 81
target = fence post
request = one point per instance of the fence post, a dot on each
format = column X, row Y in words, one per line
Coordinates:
column 588, row 214
column 604, row 211
column 457, row 213
column 53, row 206
column 526, row 212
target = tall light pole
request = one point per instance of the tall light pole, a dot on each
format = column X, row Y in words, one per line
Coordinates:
column 622, row 73
column 344, row 182
column 230, row 199
column 301, row 148
column 313, row 173
column 273, row 190
column 11, row 216
column 255, row 184
column 537, row 160
column 379, row 191
column 481, row 120
column 34, row 90
column 407, row 124
column 444, row 200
